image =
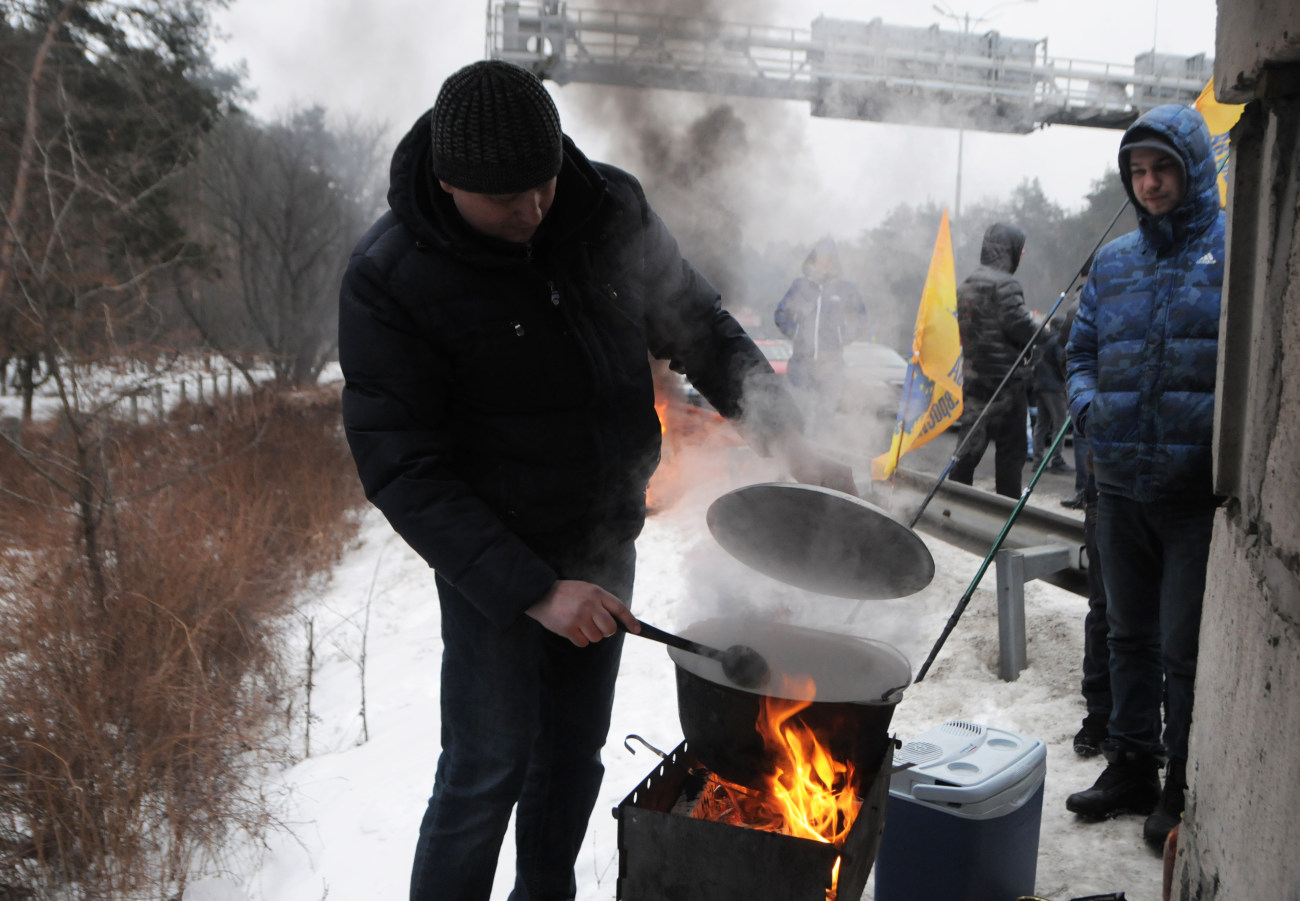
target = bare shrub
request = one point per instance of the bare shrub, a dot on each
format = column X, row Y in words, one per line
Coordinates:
column 130, row 725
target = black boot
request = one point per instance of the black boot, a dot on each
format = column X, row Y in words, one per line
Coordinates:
column 1087, row 741
column 1170, row 809
column 1129, row 784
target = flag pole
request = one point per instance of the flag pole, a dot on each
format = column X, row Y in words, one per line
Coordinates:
column 935, row 333
column 904, row 407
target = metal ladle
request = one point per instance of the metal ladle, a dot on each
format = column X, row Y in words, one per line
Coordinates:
column 743, row 665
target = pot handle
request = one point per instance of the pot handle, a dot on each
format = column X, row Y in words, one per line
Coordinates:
column 894, row 695
column 662, row 755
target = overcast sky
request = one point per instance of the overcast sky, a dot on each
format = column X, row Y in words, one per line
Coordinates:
column 385, row 59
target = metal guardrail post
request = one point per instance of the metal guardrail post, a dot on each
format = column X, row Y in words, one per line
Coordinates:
column 1015, row 567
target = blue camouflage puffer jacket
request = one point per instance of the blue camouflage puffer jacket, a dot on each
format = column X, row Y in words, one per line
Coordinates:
column 1143, row 349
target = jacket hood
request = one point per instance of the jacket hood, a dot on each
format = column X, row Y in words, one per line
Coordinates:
column 823, row 260
column 1003, row 243
column 419, row 202
column 1182, row 128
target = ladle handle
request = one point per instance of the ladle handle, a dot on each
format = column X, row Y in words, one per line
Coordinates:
column 668, row 638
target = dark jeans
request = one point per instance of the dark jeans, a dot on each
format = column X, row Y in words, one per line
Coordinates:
column 524, row 716
column 1096, row 634
column 818, row 386
column 1051, row 416
column 1004, row 425
column 1081, row 475
column 1153, row 558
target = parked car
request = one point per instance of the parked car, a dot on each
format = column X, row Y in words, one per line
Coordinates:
column 874, row 376
column 778, row 352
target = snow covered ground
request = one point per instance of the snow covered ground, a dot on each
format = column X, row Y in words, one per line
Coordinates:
column 351, row 809
column 140, row 391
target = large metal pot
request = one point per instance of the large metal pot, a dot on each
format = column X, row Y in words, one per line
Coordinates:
column 855, row 686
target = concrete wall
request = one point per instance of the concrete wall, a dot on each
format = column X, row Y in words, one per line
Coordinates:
column 1256, row 47
column 1239, row 835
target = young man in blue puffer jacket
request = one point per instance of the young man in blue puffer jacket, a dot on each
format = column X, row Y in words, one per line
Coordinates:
column 1142, row 366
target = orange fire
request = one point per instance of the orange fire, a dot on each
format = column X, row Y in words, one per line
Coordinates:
column 810, row 794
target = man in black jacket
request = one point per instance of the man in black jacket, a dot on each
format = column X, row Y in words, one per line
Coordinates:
column 995, row 327
column 1049, row 389
column 495, row 331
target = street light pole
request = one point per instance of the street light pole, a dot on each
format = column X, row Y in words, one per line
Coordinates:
column 961, row 136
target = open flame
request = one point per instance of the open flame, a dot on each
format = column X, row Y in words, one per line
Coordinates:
column 810, row 794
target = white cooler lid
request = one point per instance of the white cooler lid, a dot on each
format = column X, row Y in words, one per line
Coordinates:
column 969, row 769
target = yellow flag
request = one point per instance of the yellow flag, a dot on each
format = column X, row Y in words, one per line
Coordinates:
column 1220, row 117
column 932, row 390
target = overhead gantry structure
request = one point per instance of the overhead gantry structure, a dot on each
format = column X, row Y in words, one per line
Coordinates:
column 843, row 68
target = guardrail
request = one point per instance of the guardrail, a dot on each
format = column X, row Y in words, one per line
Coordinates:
column 972, row 519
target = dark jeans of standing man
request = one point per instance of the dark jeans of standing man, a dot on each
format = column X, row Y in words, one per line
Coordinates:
column 524, row 716
column 1081, row 476
column 1153, row 558
column 1096, row 633
column 1004, row 425
column 1052, row 411
column 818, row 387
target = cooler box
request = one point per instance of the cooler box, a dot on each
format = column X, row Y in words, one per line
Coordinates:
column 962, row 823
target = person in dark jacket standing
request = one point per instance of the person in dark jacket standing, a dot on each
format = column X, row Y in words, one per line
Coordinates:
column 1049, row 389
column 1142, row 360
column 1081, row 473
column 995, row 329
column 1095, row 684
column 495, row 333
column 820, row 313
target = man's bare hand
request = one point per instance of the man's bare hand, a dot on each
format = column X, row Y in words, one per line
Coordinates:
column 581, row 612
column 810, row 467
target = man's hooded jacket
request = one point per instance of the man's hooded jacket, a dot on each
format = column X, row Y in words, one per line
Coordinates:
column 820, row 313
column 498, row 398
column 991, row 315
column 1143, row 348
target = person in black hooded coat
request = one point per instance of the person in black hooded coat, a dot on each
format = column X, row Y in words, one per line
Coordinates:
column 995, row 328
column 495, row 330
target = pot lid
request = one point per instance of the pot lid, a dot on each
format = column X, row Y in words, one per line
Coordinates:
column 821, row 540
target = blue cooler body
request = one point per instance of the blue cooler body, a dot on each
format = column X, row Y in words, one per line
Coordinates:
column 962, row 823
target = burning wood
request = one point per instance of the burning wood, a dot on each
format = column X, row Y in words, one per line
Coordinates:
column 720, row 861
column 809, row 794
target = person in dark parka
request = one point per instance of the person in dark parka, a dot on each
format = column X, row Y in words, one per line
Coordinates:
column 1049, row 389
column 1095, row 685
column 995, row 329
column 495, row 330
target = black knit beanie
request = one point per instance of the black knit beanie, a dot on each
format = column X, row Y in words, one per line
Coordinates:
column 495, row 130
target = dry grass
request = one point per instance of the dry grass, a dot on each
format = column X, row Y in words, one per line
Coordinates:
column 130, row 720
